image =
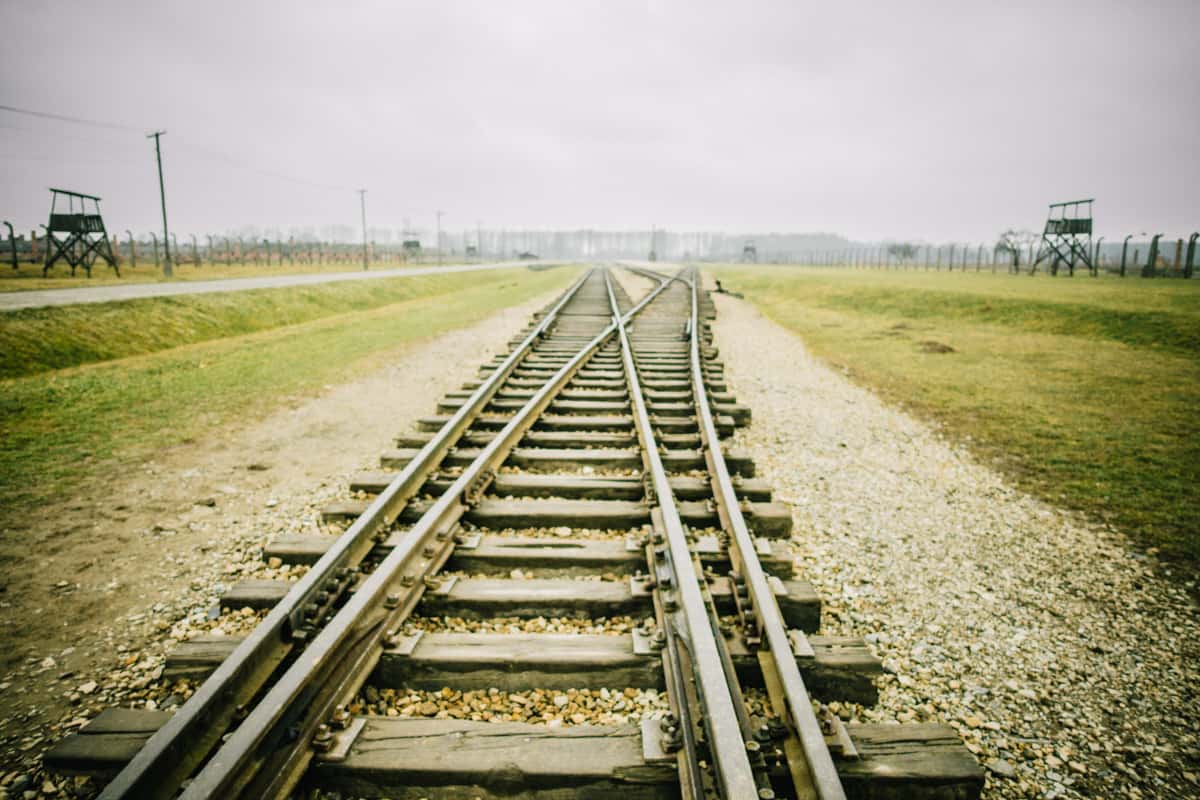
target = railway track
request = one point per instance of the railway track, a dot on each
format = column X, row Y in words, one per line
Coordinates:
column 563, row 585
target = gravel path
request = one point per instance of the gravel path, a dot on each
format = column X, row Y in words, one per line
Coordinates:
column 186, row 526
column 38, row 298
column 1067, row 662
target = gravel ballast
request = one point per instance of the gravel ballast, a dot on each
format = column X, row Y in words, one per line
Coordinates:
column 1066, row 660
column 193, row 523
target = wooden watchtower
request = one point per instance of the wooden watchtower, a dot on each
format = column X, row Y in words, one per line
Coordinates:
column 76, row 236
column 1067, row 237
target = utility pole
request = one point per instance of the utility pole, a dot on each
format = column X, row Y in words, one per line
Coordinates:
column 362, row 199
column 439, row 235
column 162, row 194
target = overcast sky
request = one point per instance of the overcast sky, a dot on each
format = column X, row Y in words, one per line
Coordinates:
column 932, row 120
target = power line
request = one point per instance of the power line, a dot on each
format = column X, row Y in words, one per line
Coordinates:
column 234, row 161
column 76, row 161
column 230, row 160
column 64, row 118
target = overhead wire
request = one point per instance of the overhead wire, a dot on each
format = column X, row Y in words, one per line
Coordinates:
column 225, row 158
column 65, row 118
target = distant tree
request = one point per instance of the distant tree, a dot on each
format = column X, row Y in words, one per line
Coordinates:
column 902, row 251
column 1012, row 242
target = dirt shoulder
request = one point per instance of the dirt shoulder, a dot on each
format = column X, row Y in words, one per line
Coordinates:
column 109, row 573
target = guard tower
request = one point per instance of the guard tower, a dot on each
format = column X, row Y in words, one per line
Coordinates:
column 749, row 252
column 76, row 236
column 1067, row 237
column 411, row 241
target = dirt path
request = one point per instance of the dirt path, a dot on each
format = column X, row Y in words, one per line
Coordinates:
column 106, row 575
column 36, row 298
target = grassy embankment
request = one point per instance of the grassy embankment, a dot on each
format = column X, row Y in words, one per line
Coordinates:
column 87, row 389
column 1086, row 391
column 29, row 276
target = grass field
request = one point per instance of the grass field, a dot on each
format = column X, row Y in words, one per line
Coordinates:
column 1086, row 391
column 39, row 339
column 215, row 358
column 29, row 276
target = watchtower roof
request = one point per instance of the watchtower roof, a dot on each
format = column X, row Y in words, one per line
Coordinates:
column 1073, row 202
column 75, row 194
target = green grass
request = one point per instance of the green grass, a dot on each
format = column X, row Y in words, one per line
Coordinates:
column 40, row 339
column 1086, row 391
column 65, row 429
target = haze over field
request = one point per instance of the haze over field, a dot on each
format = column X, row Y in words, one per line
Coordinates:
column 934, row 120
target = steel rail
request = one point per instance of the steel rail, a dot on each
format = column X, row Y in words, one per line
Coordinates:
column 646, row 272
column 691, row 778
column 821, row 772
column 268, row 753
column 179, row 746
column 735, row 777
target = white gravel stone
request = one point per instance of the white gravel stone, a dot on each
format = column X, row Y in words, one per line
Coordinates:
column 614, row 626
column 605, row 706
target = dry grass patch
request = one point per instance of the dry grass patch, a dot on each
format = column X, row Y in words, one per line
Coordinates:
column 1085, row 390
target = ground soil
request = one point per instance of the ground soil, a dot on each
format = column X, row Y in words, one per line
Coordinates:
column 87, row 582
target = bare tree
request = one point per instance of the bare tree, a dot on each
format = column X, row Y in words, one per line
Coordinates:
column 902, row 251
column 1012, row 242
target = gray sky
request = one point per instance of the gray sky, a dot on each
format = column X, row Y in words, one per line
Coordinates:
column 931, row 120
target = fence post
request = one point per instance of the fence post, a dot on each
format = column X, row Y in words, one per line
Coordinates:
column 12, row 243
column 1191, row 255
column 1151, row 267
